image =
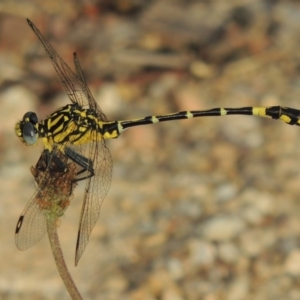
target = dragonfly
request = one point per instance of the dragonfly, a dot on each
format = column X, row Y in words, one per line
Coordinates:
column 79, row 131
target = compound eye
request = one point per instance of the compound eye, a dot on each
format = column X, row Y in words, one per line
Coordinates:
column 30, row 135
column 30, row 117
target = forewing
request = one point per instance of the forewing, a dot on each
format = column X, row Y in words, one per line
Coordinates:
column 73, row 86
column 95, row 191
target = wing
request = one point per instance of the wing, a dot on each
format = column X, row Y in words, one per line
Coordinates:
column 74, row 85
column 95, row 191
column 97, row 186
column 92, row 103
column 31, row 226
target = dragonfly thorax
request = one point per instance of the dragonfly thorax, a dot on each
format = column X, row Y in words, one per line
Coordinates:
column 70, row 124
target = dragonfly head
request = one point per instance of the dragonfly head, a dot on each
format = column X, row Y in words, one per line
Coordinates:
column 26, row 129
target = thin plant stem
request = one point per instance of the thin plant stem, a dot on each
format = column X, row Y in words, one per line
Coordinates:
column 59, row 260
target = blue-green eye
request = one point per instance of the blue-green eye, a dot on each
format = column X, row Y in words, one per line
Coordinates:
column 30, row 134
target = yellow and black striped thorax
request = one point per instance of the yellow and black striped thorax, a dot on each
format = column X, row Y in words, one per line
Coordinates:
column 70, row 124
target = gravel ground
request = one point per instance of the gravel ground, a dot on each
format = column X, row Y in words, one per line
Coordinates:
column 198, row 209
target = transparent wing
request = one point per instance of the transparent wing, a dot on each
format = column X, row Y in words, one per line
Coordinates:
column 97, row 186
column 31, row 226
column 73, row 84
column 92, row 103
column 95, row 191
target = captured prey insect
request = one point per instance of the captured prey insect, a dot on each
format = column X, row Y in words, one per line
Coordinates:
column 79, row 131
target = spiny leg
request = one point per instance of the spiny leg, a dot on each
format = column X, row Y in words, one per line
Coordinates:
column 82, row 161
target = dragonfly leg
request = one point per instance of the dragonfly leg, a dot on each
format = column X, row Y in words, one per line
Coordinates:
column 82, row 161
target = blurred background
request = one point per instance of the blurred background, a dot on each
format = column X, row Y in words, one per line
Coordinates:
column 198, row 209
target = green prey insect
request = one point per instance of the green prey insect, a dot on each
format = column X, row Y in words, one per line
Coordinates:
column 79, row 131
